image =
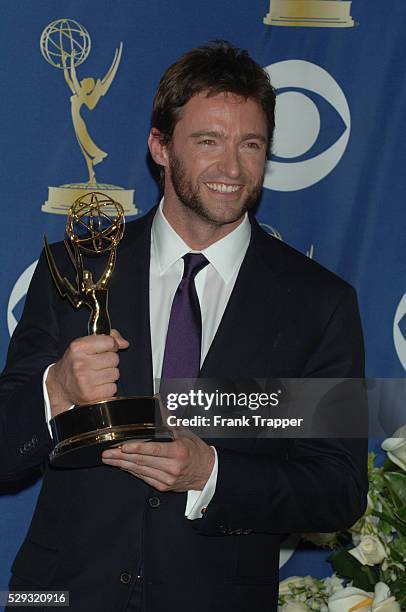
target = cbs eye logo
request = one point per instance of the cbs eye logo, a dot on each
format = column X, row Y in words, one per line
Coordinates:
column 300, row 157
column 18, row 292
column 399, row 331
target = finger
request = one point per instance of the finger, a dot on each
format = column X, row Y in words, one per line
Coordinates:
column 166, row 450
column 105, row 377
column 121, row 342
column 163, row 464
column 102, row 361
column 152, row 482
column 96, row 378
column 141, row 471
column 91, row 345
column 97, row 394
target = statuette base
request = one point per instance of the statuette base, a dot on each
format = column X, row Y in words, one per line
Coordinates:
column 309, row 13
column 60, row 199
column 84, row 432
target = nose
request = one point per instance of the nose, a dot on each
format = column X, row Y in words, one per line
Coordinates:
column 229, row 163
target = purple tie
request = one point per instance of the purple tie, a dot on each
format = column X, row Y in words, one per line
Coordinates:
column 184, row 337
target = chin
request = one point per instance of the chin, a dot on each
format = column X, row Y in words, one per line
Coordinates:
column 221, row 215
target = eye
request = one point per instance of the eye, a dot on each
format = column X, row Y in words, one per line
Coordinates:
column 207, row 142
column 252, row 145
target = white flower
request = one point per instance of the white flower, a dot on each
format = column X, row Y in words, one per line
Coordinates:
column 345, row 599
column 294, row 606
column 369, row 551
column 351, row 598
column 396, row 449
column 285, row 586
column 383, row 602
column 333, row 583
column 389, row 605
column 322, row 539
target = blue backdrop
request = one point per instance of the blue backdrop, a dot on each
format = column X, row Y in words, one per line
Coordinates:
column 334, row 187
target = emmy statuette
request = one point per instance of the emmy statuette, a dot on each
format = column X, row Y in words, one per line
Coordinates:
column 65, row 44
column 83, row 432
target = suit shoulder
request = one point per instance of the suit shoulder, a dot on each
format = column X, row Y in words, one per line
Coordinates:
column 289, row 263
column 138, row 226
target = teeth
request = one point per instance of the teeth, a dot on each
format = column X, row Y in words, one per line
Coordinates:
column 223, row 188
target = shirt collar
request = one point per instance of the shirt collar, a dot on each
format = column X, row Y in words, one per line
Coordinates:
column 225, row 255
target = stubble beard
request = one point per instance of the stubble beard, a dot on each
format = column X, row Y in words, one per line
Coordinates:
column 189, row 195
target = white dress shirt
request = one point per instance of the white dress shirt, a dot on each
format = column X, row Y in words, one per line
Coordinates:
column 214, row 285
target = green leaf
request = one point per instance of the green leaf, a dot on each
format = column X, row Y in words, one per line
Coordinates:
column 391, row 520
column 344, row 564
column 388, row 464
column 401, row 515
column 398, row 590
column 366, row 578
column 395, row 556
column 398, row 549
column 396, row 482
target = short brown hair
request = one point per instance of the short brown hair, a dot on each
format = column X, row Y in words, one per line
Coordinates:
column 218, row 67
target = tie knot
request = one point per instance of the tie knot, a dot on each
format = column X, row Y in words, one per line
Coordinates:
column 194, row 262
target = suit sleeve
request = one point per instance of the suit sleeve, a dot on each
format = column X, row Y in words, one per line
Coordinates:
column 25, row 440
column 317, row 485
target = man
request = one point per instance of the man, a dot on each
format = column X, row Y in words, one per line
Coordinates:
column 185, row 525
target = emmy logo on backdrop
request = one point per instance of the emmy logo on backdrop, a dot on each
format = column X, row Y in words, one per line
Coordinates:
column 66, row 44
column 310, row 13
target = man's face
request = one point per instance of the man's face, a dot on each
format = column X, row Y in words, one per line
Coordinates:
column 216, row 158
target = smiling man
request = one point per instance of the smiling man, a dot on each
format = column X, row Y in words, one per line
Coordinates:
column 199, row 290
column 215, row 161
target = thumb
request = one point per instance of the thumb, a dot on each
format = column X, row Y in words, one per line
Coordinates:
column 122, row 342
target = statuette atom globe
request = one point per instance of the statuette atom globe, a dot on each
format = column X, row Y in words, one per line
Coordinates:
column 91, row 228
column 65, row 37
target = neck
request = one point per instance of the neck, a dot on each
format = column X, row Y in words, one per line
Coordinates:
column 198, row 232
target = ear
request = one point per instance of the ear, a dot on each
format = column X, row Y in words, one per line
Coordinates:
column 157, row 148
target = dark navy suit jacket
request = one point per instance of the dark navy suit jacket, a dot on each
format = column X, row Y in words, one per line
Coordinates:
column 93, row 528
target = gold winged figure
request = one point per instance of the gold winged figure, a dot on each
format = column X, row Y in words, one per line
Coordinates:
column 88, row 92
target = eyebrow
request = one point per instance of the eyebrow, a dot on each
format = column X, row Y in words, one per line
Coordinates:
column 212, row 134
column 215, row 134
column 254, row 136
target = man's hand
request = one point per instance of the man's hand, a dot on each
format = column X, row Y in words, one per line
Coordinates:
column 87, row 372
column 182, row 465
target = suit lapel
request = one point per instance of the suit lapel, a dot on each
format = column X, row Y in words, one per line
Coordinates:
column 129, row 309
column 253, row 315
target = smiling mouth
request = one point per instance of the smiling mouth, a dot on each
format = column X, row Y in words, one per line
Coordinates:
column 223, row 187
